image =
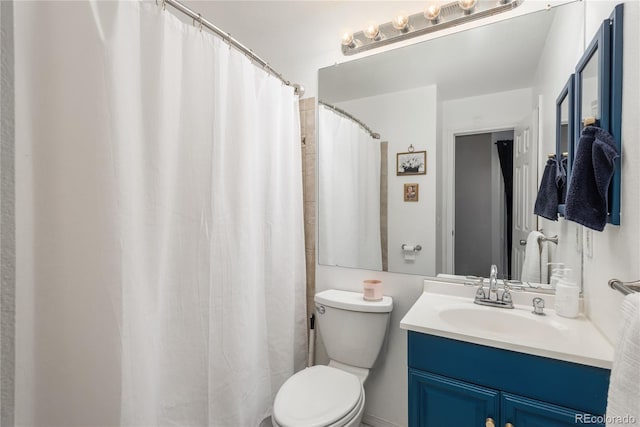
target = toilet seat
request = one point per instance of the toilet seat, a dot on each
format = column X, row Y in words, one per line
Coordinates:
column 319, row 396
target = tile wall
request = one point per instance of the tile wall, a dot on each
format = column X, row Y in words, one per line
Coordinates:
column 308, row 132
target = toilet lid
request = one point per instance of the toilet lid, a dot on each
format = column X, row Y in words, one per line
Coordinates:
column 316, row 396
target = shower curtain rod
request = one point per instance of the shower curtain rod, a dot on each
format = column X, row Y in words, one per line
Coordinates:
column 202, row 22
column 373, row 134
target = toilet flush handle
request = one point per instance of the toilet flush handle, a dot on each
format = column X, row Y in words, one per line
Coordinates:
column 320, row 309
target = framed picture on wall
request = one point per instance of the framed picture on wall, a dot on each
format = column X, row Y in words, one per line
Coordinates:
column 411, row 192
column 411, row 163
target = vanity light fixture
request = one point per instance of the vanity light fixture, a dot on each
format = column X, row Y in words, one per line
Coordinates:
column 401, row 22
column 436, row 16
column 372, row 31
column 432, row 11
column 467, row 5
column 347, row 39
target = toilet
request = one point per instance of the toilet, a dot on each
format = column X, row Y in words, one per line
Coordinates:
column 353, row 331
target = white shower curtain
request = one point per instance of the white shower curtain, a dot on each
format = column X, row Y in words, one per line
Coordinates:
column 203, row 164
column 207, row 156
column 349, row 193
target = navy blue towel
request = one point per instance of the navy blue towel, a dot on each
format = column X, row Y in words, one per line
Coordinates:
column 561, row 180
column 591, row 174
column 548, row 194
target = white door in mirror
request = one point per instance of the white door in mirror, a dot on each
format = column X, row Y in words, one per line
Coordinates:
column 524, row 188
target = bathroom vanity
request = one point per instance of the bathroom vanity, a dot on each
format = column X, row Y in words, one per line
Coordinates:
column 474, row 366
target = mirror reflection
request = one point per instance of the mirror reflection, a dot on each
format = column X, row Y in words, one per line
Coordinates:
column 470, row 101
column 564, row 140
column 564, row 126
column 589, row 82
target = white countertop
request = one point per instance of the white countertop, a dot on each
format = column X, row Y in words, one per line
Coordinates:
column 447, row 310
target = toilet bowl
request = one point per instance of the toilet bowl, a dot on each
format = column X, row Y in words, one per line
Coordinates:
column 353, row 331
column 320, row 396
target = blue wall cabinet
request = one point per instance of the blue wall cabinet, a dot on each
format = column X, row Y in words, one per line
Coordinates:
column 598, row 95
column 458, row 384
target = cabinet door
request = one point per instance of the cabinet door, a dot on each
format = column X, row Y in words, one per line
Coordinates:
column 436, row 401
column 523, row 412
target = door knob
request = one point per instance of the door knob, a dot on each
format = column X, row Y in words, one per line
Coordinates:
column 489, row 423
column 523, row 242
column 509, row 425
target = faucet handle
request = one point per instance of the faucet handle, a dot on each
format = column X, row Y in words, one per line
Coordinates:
column 480, row 294
column 538, row 306
column 506, row 296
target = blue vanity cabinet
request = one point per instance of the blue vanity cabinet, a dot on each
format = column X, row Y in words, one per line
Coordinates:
column 456, row 383
column 523, row 412
column 441, row 401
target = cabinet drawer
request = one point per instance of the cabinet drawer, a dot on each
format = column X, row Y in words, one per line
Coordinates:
column 563, row 383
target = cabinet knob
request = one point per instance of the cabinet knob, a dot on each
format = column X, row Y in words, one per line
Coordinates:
column 490, row 423
column 509, row 425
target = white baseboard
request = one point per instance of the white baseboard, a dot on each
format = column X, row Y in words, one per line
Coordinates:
column 372, row 421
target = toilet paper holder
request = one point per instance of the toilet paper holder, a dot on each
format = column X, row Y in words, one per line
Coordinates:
column 416, row 248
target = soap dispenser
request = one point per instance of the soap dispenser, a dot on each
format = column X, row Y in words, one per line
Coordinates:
column 557, row 272
column 567, row 296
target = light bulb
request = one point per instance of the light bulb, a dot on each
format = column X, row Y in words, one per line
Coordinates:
column 371, row 31
column 467, row 5
column 347, row 38
column 432, row 11
column 400, row 21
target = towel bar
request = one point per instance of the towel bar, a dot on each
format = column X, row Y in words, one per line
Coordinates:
column 625, row 288
column 553, row 239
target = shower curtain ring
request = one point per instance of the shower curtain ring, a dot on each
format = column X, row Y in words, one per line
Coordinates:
column 229, row 40
column 164, row 4
column 199, row 21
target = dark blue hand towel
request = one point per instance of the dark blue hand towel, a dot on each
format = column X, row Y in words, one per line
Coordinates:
column 561, row 180
column 592, row 171
column 548, row 195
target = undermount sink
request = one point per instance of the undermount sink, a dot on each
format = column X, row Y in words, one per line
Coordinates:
column 497, row 321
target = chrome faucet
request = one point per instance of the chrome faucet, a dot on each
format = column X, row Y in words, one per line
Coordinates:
column 493, row 280
column 486, row 298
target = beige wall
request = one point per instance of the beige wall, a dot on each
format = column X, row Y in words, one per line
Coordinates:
column 7, row 216
column 384, row 203
column 308, row 132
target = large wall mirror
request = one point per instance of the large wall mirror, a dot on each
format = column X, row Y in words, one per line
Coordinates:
column 449, row 185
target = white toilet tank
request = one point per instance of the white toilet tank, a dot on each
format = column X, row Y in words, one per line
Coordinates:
column 352, row 329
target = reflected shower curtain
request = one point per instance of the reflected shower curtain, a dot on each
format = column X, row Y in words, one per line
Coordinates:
column 206, row 159
column 349, row 193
